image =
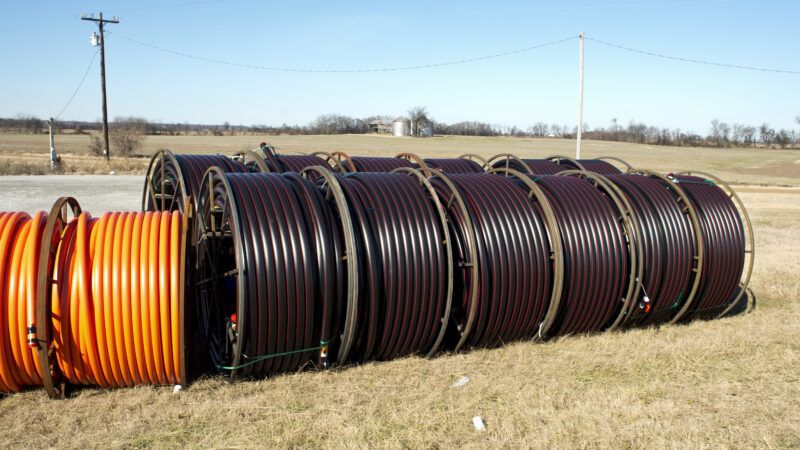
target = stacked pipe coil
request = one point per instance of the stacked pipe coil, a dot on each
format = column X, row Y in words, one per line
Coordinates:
column 20, row 241
column 374, row 164
column 724, row 241
column 665, row 229
column 316, row 268
column 462, row 164
column 116, row 299
column 502, row 243
column 269, row 276
column 597, row 265
column 293, row 163
column 526, row 166
column 172, row 179
column 91, row 301
column 590, row 165
column 404, row 282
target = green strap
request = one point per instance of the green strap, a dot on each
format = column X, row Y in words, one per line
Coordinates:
column 257, row 359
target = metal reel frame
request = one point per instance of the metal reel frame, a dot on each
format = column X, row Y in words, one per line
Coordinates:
column 254, row 158
column 558, row 158
column 458, row 201
column 480, row 160
column 413, row 157
column 329, row 159
column 339, row 158
column 699, row 259
column 212, row 224
column 556, row 250
column 628, row 168
column 630, row 226
column 332, row 190
column 507, row 157
column 57, row 221
column 153, row 193
column 750, row 249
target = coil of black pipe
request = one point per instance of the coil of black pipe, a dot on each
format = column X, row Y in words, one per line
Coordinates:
column 403, row 265
column 671, row 250
column 724, row 241
column 506, row 270
column 295, row 163
column 454, row 165
column 269, row 274
column 591, row 165
column 596, row 255
column 526, row 166
column 174, row 178
column 599, row 166
column 375, row 164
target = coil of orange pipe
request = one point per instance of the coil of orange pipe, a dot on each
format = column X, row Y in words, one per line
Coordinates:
column 116, row 299
column 20, row 242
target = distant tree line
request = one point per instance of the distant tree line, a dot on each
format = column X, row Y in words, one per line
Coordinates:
column 720, row 134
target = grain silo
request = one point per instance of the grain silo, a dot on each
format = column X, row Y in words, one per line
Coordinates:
column 401, row 127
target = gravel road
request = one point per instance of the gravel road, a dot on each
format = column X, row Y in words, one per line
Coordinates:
column 95, row 193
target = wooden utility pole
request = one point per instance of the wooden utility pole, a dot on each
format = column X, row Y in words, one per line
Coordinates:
column 580, row 103
column 100, row 22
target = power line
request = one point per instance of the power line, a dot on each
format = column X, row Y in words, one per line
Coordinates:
column 172, row 5
column 695, row 61
column 384, row 69
column 83, row 78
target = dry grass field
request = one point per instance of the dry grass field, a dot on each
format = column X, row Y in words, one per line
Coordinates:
column 750, row 166
column 733, row 382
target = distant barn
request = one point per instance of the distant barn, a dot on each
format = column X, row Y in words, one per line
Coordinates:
column 402, row 126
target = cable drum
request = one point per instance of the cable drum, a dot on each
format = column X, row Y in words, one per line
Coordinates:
column 172, row 179
column 671, row 251
column 374, row 164
column 295, row 163
column 403, row 265
column 611, row 160
column 508, row 270
column 20, row 244
column 462, row 164
column 590, row 165
column 597, row 263
column 725, row 242
column 267, row 272
column 629, row 222
column 111, row 298
column 526, row 166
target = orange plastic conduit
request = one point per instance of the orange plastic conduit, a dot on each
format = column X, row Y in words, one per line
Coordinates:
column 116, row 300
column 20, row 243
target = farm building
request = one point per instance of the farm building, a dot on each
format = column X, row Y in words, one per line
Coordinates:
column 402, row 126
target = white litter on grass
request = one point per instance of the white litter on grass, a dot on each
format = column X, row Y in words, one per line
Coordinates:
column 177, row 389
column 461, row 382
column 112, row 173
column 477, row 421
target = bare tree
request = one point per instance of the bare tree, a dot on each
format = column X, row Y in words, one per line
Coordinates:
column 417, row 115
column 767, row 134
column 126, row 134
column 539, row 129
column 27, row 123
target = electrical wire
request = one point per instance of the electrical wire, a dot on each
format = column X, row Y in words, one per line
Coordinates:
column 694, row 61
column 382, row 69
column 83, row 78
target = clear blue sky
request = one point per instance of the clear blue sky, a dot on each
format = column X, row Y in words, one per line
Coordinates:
column 46, row 50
